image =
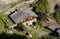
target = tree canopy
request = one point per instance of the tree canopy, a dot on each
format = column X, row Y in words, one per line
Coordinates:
column 57, row 13
column 41, row 8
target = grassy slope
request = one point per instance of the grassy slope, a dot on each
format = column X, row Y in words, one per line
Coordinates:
column 1, row 27
column 14, row 4
column 4, row 17
column 34, row 36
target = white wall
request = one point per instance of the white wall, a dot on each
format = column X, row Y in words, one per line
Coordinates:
column 30, row 22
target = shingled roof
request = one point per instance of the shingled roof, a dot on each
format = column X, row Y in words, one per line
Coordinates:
column 18, row 16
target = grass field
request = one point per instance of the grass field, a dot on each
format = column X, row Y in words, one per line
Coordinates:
column 34, row 36
column 3, row 18
column 1, row 27
column 58, row 17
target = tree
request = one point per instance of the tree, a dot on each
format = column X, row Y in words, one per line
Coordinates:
column 42, row 16
column 57, row 17
column 57, row 13
column 19, row 27
column 41, row 8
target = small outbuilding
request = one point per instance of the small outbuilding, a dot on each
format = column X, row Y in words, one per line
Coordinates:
column 52, row 28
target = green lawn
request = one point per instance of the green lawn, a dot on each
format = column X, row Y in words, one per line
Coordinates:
column 39, row 28
column 1, row 27
column 14, row 4
column 35, row 36
column 4, row 17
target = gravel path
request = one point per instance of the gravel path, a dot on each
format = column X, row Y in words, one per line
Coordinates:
column 52, row 4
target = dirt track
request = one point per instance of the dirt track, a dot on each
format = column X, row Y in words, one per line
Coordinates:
column 52, row 4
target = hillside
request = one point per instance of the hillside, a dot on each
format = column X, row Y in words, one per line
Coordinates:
column 52, row 4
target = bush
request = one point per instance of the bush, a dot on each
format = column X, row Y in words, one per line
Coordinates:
column 41, row 8
column 57, row 13
column 19, row 27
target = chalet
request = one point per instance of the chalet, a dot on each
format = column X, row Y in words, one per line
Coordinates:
column 26, row 16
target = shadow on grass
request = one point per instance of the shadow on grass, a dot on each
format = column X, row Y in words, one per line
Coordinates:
column 11, row 12
column 54, row 34
column 12, row 36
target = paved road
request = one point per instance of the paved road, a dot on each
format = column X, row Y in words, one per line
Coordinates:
column 28, row 2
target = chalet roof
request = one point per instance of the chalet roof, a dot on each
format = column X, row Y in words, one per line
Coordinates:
column 18, row 16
